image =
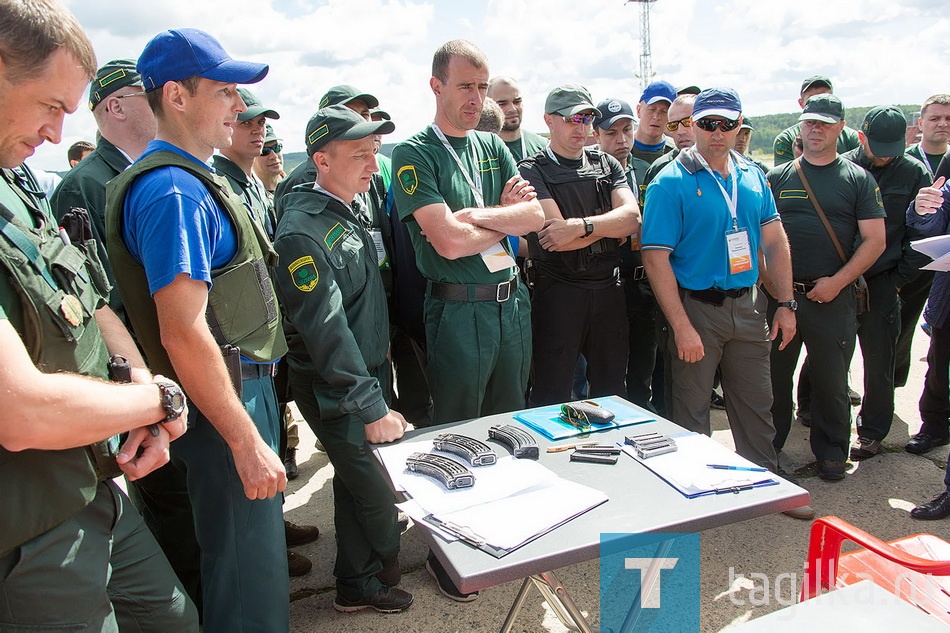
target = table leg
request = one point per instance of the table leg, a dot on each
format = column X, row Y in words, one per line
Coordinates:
column 557, row 597
column 649, row 580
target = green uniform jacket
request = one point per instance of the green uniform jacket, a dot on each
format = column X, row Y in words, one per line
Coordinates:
column 254, row 196
column 84, row 186
column 899, row 182
column 335, row 314
column 782, row 149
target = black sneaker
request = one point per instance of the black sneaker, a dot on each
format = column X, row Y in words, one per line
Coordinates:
column 831, row 470
column 298, row 535
column 446, row 586
column 386, row 600
column 298, row 564
column 716, row 401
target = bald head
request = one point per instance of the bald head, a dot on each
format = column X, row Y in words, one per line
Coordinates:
column 504, row 90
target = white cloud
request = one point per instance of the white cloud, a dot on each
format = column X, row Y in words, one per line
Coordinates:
column 876, row 51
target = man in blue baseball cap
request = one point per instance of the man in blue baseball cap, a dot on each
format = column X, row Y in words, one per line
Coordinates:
column 649, row 143
column 707, row 217
column 193, row 270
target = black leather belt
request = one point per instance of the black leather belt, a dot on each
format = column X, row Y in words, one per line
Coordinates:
column 803, row 287
column 716, row 296
column 252, row 371
column 474, row 292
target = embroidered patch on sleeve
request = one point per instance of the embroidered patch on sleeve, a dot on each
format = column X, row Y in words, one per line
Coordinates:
column 792, row 193
column 303, row 272
column 408, row 179
column 334, row 235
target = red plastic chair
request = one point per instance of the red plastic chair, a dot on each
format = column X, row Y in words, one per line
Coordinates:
column 915, row 568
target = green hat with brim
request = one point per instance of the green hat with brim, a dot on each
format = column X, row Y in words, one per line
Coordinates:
column 339, row 123
column 569, row 99
column 824, row 107
column 884, row 127
column 270, row 136
column 379, row 115
column 254, row 106
column 343, row 94
column 815, row 80
column 116, row 74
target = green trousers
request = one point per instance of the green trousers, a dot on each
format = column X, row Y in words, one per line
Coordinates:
column 101, row 570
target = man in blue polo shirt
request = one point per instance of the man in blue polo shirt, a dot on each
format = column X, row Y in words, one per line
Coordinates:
column 706, row 219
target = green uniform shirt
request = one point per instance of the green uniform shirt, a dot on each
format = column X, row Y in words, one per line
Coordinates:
column 385, row 170
column 426, row 173
column 334, row 305
column 250, row 191
column 930, row 161
column 782, row 149
column 529, row 142
column 847, row 194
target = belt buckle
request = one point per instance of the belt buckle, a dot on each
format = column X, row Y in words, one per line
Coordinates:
column 639, row 273
column 503, row 291
column 799, row 287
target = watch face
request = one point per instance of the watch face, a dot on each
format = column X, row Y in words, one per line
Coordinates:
column 177, row 401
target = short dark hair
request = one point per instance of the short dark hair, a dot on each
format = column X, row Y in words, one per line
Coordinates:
column 77, row 149
column 32, row 30
column 940, row 99
column 154, row 97
column 456, row 48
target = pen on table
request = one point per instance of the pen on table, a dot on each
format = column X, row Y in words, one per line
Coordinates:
column 748, row 468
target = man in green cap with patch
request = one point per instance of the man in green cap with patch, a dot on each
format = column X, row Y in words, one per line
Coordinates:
column 782, row 148
column 589, row 210
column 336, row 323
column 126, row 125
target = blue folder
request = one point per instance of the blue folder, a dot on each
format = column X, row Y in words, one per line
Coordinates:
column 545, row 420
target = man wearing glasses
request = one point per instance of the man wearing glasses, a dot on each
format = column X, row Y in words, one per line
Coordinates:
column 578, row 306
column 707, row 217
column 852, row 204
column 126, row 125
column 679, row 130
column 269, row 166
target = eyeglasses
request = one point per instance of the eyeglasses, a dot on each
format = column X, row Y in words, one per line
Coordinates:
column 583, row 118
column 575, row 417
column 672, row 126
column 267, row 149
column 132, row 94
column 711, row 125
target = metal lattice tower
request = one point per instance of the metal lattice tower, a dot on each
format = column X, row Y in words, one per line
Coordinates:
column 646, row 56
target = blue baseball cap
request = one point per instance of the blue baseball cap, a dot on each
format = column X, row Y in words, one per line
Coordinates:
column 658, row 91
column 722, row 102
column 182, row 53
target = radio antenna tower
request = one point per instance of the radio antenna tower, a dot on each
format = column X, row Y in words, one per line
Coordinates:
column 646, row 57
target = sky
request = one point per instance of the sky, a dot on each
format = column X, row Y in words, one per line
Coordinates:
column 875, row 51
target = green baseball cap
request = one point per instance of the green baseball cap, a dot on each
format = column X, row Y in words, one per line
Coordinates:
column 378, row 115
column 339, row 123
column 343, row 94
column 254, row 106
column 270, row 136
column 823, row 107
column 569, row 99
column 884, row 127
column 114, row 75
column 815, row 80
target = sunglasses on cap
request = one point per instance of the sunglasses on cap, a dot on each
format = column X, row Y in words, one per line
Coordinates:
column 267, row 149
column 711, row 125
column 582, row 118
column 575, row 417
column 672, row 126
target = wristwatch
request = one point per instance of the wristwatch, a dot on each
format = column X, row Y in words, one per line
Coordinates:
column 588, row 227
column 791, row 305
column 173, row 401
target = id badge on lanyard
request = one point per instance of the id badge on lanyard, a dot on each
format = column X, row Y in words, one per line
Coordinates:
column 738, row 247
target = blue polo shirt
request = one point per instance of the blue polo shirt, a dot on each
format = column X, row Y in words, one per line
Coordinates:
column 172, row 224
column 687, row 215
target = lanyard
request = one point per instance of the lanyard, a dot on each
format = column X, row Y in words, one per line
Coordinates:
column 476, row 184
column 524, row 151
column 925, row 160
column 731, row 201
column 553, row 156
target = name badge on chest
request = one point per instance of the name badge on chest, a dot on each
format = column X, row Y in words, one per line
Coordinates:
column 740, row 253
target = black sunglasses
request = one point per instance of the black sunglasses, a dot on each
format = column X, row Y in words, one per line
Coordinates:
column 575, row 417
column 267, row 149
column 711, row 125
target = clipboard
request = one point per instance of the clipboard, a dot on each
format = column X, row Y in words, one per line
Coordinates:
column 545, row 420
column 688, row 473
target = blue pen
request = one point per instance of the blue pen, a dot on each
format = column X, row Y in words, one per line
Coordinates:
column 748, row 468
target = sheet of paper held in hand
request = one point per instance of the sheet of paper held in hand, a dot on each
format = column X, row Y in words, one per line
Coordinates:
column 938, row 248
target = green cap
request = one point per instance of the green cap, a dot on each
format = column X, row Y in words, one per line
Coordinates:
column 116, row 74
column 815, row 80
column 270, row 135
column 569, row 99
column 823, row 107
column 380, row 115
column 343, row 94
column 885, row 126
column 254, row 106
column 339, row 123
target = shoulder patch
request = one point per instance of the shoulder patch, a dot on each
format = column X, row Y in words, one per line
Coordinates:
column 792, row 193
column 877, row 196
column 408, row 179
column 303, row 272
column 334, row 235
